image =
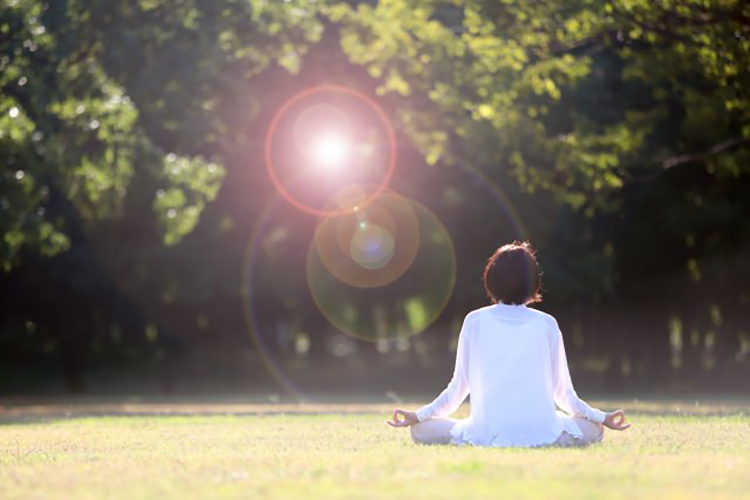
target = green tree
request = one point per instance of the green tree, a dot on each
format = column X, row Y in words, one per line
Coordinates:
column 123, row 122
column 635, row 114
column 576, row 97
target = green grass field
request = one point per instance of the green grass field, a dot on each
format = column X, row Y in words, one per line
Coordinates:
column 674, row 450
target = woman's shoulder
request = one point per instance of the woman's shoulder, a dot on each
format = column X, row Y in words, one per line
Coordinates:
column 514, row 314
column 548, row 319
column 541, row 314
column 478, row 312
column 473, row 316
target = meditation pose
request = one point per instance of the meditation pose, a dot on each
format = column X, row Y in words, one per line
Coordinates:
column 511, row 359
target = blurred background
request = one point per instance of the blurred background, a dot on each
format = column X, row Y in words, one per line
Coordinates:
column 157, row 238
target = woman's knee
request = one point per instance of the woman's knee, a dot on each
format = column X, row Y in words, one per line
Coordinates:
column 422, row 433
column 432, row 431
column 416, row 432
column 592, row 432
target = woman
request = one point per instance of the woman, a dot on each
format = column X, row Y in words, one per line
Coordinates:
column 511, row 359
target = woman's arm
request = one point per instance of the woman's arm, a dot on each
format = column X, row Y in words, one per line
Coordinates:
column 451, row 398
column 458, row 388
column 564, row 394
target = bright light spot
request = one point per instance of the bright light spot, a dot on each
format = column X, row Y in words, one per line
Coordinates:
column 13, row 112
column 330, row 150
column 372, row 247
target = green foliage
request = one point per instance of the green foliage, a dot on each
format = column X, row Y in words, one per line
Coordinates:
column 620, row 128
column 68, row 130
column 577, row 97
column 177, row 213
column 557, row 92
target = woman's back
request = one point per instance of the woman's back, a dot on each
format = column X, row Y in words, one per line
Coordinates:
column 510, row 378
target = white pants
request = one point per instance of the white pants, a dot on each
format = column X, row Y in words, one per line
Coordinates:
column 438, row 431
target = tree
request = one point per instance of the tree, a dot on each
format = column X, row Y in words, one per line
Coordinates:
column 80, row 164
column 123, row 122
column 634, row 114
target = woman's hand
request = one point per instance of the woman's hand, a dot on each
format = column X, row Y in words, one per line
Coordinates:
column 403, row 418
column 616, row 421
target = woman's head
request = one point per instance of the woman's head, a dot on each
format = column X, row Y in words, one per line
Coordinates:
column 512, row 275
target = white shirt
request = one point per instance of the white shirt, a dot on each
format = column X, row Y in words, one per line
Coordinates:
column 511, row 359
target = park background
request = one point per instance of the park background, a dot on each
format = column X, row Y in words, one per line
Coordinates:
column 134, row 193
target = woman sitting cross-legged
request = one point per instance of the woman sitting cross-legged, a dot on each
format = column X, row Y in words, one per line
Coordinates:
column 511, row 359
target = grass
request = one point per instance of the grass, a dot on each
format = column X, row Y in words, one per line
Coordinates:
column 349, row 453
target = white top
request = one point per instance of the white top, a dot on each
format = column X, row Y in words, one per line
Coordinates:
column 511, row 359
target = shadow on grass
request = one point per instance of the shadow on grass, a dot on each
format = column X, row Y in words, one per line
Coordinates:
column 31, row 411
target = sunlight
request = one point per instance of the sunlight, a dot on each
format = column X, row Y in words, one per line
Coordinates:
column 329, row 150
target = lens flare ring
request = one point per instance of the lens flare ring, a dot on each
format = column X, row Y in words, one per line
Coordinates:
column 248, row 297
column 371, row 246
column 330, row 148
column 402, row 304
column 496, row 192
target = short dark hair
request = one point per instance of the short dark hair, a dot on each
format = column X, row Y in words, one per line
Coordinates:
column 512, row 275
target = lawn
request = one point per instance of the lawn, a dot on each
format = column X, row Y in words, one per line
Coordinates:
column 674, row 450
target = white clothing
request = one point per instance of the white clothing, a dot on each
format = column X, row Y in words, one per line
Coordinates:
column 511, row 359
column 437, row 430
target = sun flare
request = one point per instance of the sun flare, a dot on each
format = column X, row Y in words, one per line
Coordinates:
column 330, row 150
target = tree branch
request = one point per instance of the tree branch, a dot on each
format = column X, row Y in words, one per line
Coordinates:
column 702, row 155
